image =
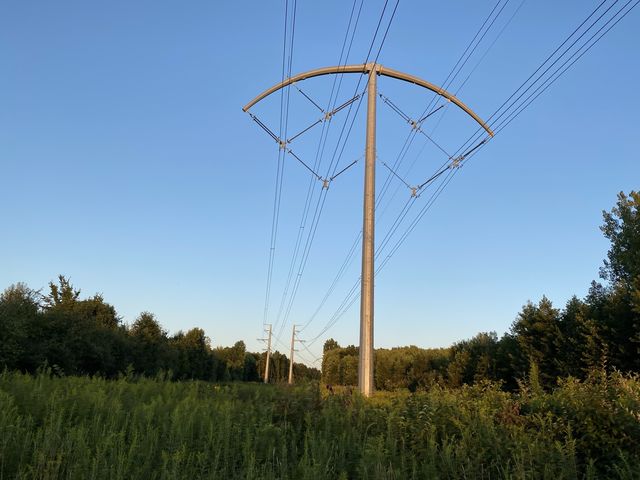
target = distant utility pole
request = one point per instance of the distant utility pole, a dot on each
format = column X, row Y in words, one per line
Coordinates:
column 268, row 350
column 365, row 365
column 293, row 341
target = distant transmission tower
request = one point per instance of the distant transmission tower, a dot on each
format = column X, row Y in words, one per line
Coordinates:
column 294, row 339
column 365, row 365
column 267, row 330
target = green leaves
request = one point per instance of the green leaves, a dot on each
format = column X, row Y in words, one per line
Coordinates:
column 622, row 227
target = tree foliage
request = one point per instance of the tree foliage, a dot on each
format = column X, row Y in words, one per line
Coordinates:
column 622, row 227
column 86, row 336
column 598, row 333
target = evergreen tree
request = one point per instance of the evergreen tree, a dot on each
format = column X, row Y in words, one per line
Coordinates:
column 19, row 308
column 537, row 332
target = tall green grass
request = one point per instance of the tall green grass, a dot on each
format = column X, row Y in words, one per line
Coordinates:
column 90, row 428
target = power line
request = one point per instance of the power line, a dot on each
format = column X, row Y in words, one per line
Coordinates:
column 312, row 231
column 416, row 125
column 549, row 57
column 513, row 113
column 402, row 154
column 451, row 77
column 320, row 149
column 345, row 264
column 555, row 61
column 279, row 174
column 375, row 35
column 386, row 32
column 323, row 193
column 352, row 250
column 353, row 294
column 514, row 110
column 475, row 149
column 318, row 211
column 366, row 85
column 569, row 63
column 486, row 52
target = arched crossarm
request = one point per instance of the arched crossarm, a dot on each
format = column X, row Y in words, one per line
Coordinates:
column 434, row 88
column 303, row 76
column 366, row 68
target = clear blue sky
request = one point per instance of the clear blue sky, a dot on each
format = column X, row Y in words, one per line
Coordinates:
column 128, row 165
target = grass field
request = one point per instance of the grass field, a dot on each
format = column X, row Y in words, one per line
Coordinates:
column 90, row 428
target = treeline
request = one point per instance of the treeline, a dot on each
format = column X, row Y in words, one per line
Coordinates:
column 544, row 343
column 74, row 336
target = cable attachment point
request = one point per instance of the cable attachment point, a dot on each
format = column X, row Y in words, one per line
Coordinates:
column 414, row 125
column 456, row 162
column 266, row 129
column 327, row 116
column 414, row 191
column 282, row 144
column 326, row 182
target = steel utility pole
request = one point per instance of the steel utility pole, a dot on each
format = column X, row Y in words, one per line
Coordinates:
column 293, row 342
column 266, row 364
column 365, row 366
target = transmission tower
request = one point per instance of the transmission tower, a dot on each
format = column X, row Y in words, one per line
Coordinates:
column 372, row 70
